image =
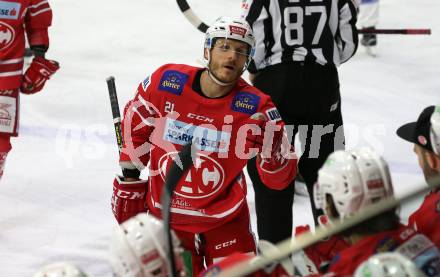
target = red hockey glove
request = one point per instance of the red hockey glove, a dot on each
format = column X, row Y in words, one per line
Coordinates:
column 276, row 163
column 128, row 198
column 322, row 252
column 37, row 74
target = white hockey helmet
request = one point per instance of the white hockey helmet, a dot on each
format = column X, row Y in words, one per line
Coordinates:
column 138, row 248
column 390, row 264
column 355, row 179
column 435, row 130
column 60, row 269
column 225, row 27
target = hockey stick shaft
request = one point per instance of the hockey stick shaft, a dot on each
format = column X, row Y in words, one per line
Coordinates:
column 173, row 176
column 202, row 27
column 396, row 31
column 304, row 240
column 115, row 110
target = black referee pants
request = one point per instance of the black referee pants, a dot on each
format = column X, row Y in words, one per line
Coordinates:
column 308, row 99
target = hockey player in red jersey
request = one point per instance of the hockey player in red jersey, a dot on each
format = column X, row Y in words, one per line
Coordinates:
column 316, row 258
column 18, row 17
column 352, row 180
column 425, row 135
column 227, row 121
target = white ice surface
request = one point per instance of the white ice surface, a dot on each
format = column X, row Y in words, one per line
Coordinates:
column 55, row 194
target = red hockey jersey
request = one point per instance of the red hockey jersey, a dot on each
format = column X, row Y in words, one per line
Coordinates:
column 16, row 18
column 404, row 240
column 214, row 189
column 426, row 219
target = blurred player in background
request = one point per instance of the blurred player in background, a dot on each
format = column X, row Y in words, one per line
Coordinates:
column 18, row 17
column 368, row 19
column 352, row 180
column 425, row 135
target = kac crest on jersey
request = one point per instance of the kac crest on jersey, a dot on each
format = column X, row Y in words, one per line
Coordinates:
column 7, row 35
column 202, row 180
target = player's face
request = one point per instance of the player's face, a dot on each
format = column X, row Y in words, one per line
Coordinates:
column 228, row 58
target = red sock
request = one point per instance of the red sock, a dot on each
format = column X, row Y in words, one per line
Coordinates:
column 5, row 147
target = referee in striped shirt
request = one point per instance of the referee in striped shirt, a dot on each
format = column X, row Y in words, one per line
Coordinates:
column 300, row 43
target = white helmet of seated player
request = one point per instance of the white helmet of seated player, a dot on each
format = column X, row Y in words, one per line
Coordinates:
column 138, row 248
column 60, row 269
column 225, row 27
column 354, row 179
column 391, row 264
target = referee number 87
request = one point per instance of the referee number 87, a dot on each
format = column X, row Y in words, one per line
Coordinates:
column 297, row 26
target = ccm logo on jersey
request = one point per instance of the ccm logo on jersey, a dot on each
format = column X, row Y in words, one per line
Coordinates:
column 173, row 81
column 225, row 244
column 200, row 117
column 9, row 10
column 245, row 102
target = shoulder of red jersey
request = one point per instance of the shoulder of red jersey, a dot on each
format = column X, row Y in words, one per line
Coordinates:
column 249, row 99
column 170, row 78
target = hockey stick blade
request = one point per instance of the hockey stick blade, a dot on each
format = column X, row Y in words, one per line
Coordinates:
column 306, row 239
column 115, row 110
column 180, row 164
column 396, row 31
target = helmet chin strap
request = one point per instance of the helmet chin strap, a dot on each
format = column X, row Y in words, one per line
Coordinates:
column 216, row 80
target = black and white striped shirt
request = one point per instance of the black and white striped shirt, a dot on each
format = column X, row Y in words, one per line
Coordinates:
column 291, row 30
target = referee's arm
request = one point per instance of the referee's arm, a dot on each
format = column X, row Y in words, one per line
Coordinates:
column 347, row 35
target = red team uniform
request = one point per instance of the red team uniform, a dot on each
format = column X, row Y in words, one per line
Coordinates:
column 426, row 219
column 17, row 17
column 212, row 194
column 312, row 259
column 404, row 240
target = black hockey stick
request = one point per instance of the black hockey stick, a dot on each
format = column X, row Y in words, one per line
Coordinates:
column 191, row 16
column 115, row 110
column 396, row 31
column 181, row 163
column 304, row 240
